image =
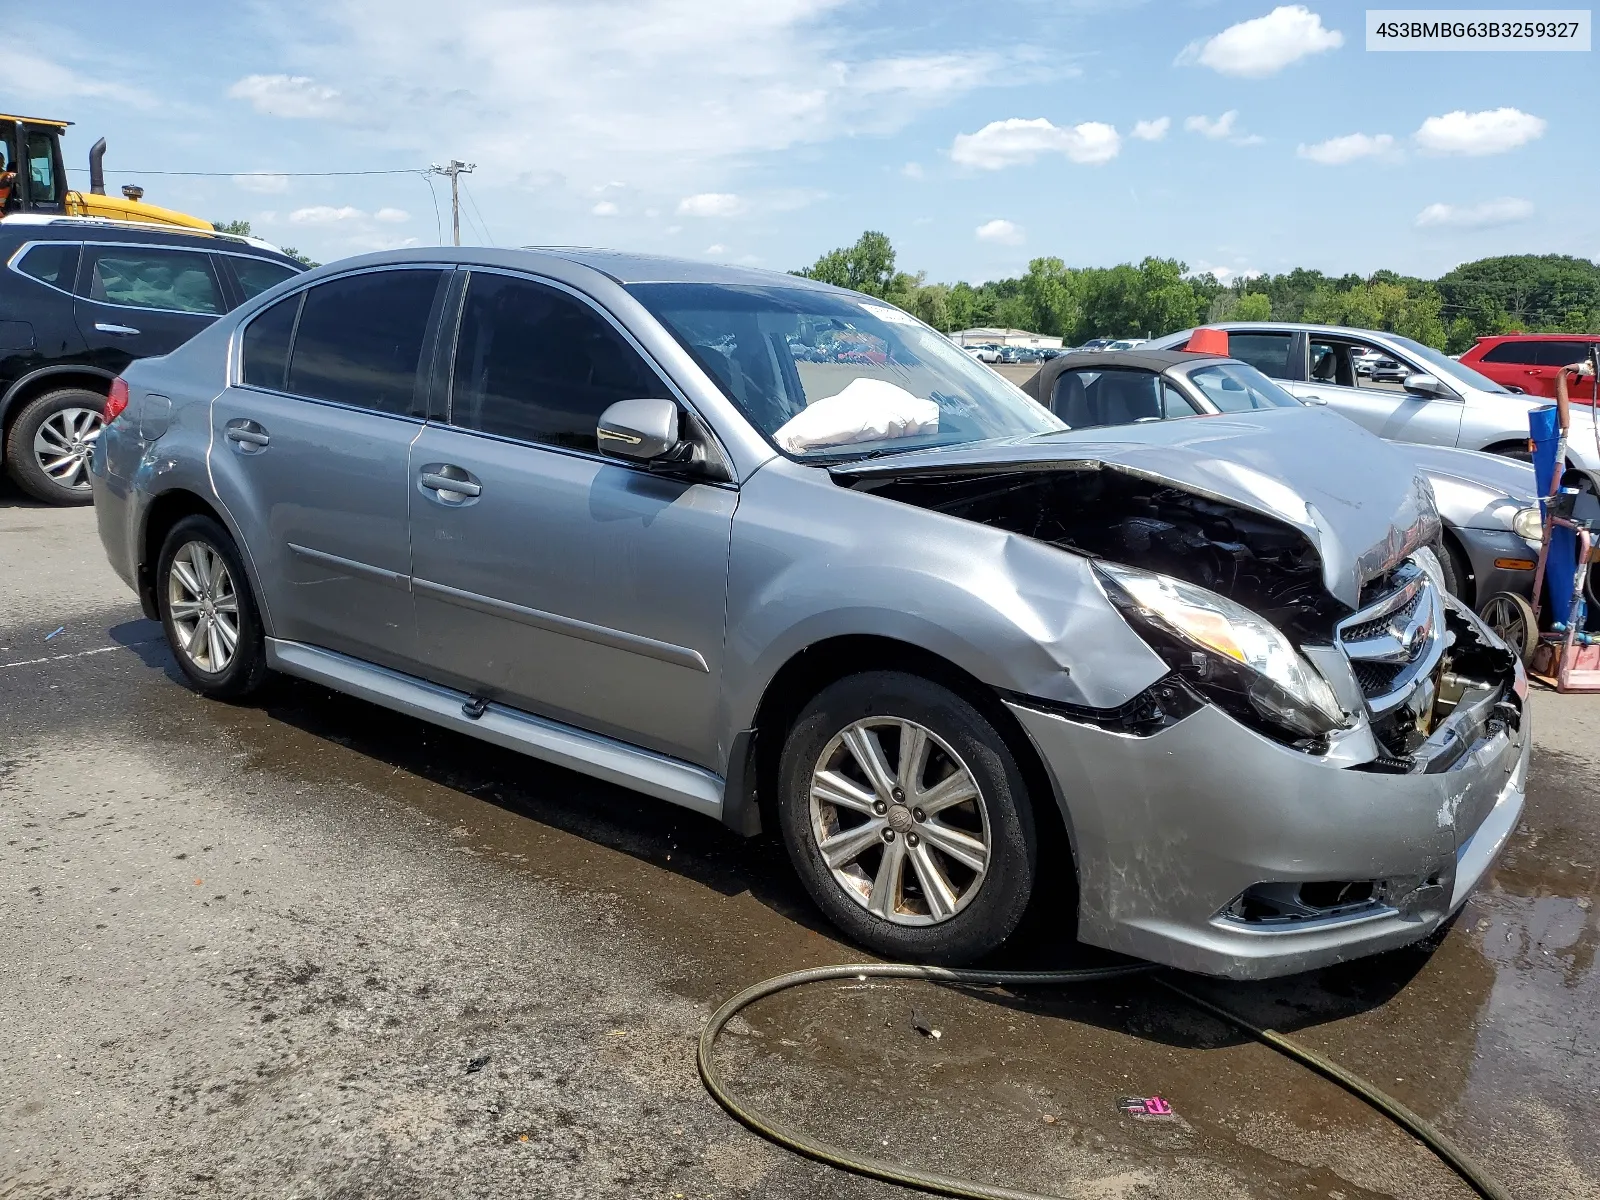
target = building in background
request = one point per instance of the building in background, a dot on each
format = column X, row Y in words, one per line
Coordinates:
column 1005, row 337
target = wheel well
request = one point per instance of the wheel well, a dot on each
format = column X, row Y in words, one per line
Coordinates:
column 165, row 511
column 826, row 662
column 53, row 381
column 1462, row 562
column 1520, row 445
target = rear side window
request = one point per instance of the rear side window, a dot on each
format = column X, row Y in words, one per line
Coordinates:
column 1266, row 352
column 1561, row 354
column 146, row 277
column 1084, row 399
column 1511, row 352
column 536, row 364
column 360, row 339
column 1235, row 388
column 256, row 275
column 55, row 263
column 266, row 344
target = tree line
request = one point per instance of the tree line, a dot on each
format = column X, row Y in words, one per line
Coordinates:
column 1527, row 293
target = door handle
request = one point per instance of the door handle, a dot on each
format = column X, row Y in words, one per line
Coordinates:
column 116, row 330
column 248, row 436
column 1313, row 398
column 437, row 482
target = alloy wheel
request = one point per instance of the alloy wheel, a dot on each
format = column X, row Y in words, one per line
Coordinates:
column 204, row 606
column 62, row 444
column 900, row 821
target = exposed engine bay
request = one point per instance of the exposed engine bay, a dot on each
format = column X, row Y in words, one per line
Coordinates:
column 1262, row 564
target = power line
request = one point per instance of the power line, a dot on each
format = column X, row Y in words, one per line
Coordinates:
column 438, row 233
column 248, row 174
column 482, row 224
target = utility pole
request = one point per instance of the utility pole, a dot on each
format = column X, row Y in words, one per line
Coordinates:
column 455, row 169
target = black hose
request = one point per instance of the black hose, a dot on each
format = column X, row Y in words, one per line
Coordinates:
column 928, row 1181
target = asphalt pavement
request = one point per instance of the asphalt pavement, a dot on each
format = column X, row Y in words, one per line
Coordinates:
column 303, row 947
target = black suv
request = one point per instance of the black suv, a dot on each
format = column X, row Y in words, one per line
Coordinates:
column 82, row 298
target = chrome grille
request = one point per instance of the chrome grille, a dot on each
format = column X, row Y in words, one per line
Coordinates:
column 1394, row 643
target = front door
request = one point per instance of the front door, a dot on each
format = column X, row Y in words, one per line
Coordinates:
column 1381, row 405
column 310, row 454
column 553, row 579
column 141, row 301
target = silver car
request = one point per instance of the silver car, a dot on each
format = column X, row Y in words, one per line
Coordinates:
column 592, row 506
column 1427, row 397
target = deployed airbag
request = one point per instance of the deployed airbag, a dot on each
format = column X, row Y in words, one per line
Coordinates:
column 867, row 410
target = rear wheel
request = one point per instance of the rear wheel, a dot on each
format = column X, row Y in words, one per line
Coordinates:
column 47, row 449
column 907, row 818
column 1512, row 618
column 208, row 612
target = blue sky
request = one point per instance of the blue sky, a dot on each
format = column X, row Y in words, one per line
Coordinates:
column 976, row 136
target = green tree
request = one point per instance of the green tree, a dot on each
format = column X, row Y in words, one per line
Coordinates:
column 1051, row 293
column 1252, row 306
column 867, row 266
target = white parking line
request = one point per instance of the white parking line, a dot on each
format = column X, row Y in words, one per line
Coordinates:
column 33, row 662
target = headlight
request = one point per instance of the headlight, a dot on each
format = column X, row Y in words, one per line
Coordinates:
column 1223, row 646
column 1528, row 525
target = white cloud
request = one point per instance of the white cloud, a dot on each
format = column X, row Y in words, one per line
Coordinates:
column 31, row 75
column 326, row 214
column 1152, row 131
column 1216, row 130
column 265, row 184
column 1265, row 45
column 1352, row 146
column 391, row 216
column 1002, row 232
column 1224, row 274
column 913, row 171
column 710, row 204
column 287, row 96
column 1493, row 131
column 1019, row 140
column 715, row 248
column 604, row 209
column 1505, row 211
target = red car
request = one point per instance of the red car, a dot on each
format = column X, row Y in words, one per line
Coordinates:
column 1529, row 361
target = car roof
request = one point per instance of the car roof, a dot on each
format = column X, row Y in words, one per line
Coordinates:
column 1539, row 337
column 629, row 267
column 1155, row 361
column 48, row 227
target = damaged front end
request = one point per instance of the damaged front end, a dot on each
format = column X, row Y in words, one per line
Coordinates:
column 1334, row 637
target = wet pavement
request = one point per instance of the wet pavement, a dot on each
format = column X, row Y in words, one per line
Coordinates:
column 305, row 947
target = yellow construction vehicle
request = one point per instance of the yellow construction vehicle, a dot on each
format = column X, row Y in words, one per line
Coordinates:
column 33, row 179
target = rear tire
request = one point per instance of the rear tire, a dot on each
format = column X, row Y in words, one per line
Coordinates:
column 946, row 880
column 46, row 450
column 208, row 610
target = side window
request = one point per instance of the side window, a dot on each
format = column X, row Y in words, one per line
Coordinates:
column 536, row 364
column 1519, row 353
column 1174, row 403
column 145, row 277
column 1561, row 354
column 265, row 348
column 256, row 275
column 1332, row 363
column 1087, row 398
column 55, row 263
column 1266, row 352
column 361, row 338
column 43, row 186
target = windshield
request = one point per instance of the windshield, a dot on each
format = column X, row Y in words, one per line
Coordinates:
column 827, row 376
column 1447, row 367
column 1239, row 387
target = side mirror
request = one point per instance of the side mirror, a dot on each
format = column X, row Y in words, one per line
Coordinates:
column 639, row 430
column 1423, row 384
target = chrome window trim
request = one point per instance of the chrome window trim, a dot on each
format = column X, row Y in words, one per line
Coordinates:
column 648, row 359
column 14, row 263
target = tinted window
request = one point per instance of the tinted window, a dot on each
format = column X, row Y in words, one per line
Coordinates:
column 1561, row 354
column 175, row 280
column 534, row 363
column 256, row 275
column 1266, row 352
column 55, row 264
column 1233, row 387
column 1086, row 398
column 361, row 337
column 1511, row 352
column 266, row 344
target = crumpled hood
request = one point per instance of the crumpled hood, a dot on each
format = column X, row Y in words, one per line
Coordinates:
column 1361, row 502
column 1508, row 475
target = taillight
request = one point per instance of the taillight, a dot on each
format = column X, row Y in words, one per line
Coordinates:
column 116, row 400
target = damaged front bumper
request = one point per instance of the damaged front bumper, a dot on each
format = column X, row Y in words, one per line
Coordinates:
column 1207, row 846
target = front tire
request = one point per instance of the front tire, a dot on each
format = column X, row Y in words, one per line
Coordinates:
column 208, row 611
column 907, row 819
column 47, row 449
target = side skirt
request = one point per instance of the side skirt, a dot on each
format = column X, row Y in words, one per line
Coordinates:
column 550, row 741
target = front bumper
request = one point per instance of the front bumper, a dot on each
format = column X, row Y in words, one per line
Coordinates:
column 1169, row 829
column 1483, row 547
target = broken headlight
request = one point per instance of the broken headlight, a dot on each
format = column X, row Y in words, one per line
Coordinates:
column 1225, row 648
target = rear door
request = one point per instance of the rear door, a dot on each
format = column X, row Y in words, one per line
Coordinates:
column 554, row 579
column 1381, row 405
column 1512, row 364
column 309, row 454
column 137, row 301
column 1554, row 355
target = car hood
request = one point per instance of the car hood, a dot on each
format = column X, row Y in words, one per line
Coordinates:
column 1361, row 502
column 1493, row 472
